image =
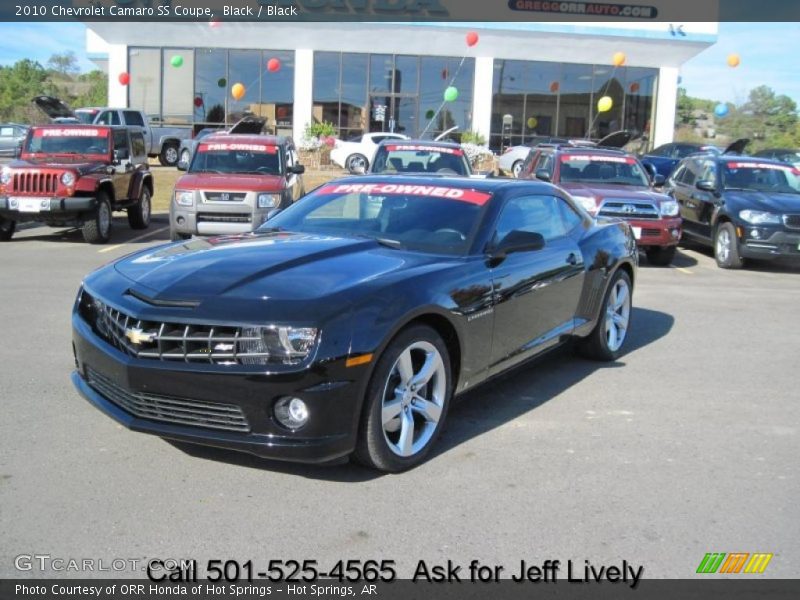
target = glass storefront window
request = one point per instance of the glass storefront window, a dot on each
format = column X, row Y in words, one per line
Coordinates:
column 575, row 100
column 640, row 90
column 245, row 67
column 144, row 89
column 436, row 75
column 608, row 81
column 326, row 87
column 211, row 87
column 277, row 92
column 353, row 88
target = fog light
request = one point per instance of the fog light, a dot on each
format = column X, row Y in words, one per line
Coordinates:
column 755, row 234
column 676, row 233
column 292, row 413
column 13, row 203
column 181, row 220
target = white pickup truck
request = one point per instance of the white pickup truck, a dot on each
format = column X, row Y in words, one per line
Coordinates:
column 161, row 142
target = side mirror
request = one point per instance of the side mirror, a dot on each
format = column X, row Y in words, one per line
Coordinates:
column 298, row 169
column 120, row 155
column 651, row 170
column 182, row 165
column 706, row 185
column 659, row 180
column 518, row 241
column 543, row 175
column 357, row 170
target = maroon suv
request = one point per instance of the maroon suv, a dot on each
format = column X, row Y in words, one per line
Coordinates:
column 613, row 183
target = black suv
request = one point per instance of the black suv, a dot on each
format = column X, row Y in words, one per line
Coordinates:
column 745, row 207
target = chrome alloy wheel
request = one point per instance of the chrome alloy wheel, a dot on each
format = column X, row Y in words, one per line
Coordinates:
column 103, row 218
column 413, row 398
column 618, row 314
column 723, row 245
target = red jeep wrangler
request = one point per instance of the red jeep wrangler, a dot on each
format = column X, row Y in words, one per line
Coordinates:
column 77, row 175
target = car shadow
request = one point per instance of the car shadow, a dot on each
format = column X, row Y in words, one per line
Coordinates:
column 487, row 407
column 778, row 265
column 121, row 233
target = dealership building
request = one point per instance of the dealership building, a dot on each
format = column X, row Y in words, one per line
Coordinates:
column 519, row 80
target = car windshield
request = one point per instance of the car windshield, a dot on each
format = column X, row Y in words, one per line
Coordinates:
column 236, row 157
column 68, row 140
column 760, row 177
column 602, row 169
column 424, row 218
column 391, row 158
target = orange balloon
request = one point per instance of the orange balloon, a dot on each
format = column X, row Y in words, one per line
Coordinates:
column 554, row 86
column 237, row 91
column 618, row 59
column 734, row 60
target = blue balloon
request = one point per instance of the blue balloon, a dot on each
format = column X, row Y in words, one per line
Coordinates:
column 721, row 110
column 680, row 80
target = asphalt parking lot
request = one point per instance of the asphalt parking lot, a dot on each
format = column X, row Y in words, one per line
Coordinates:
column 688, row 444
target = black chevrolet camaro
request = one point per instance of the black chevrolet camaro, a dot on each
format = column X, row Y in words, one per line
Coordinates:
column 347, row 323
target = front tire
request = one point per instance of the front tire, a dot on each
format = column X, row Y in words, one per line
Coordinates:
column 516, row 168
column 406, row 401
column 139, row 214
column 186, row 156
column 97, row 230
column 660, row 256
column 356, row 160
column 168, row 156
column 607, row 338
column 7, row 228
column 726, row 247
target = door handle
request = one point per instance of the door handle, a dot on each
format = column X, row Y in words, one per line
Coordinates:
column 572, row 259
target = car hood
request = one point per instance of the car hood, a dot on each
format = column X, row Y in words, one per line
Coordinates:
column 614, row 191
column 231, row 182
column 268, row 266
column 77, row 164
column 776, row 203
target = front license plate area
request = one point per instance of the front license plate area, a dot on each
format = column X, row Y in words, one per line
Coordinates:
column 32, row 205
column 637, row 232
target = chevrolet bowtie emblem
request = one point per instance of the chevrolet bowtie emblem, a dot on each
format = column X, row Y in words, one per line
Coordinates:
column 139, row 336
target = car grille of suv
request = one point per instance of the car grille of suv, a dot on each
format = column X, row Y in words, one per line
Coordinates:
column 628, row 209
column 792, row 221
column 223, row 218
column 172, row 341
column 169, row 409
column 225, row 196
column 32, row 182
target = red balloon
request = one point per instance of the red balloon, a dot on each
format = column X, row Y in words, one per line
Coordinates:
column 273, row 65
column 472, row 39
column 634, row 87
column 554, row 86
column 214, row 23
column 198, row 101
column 124, row 78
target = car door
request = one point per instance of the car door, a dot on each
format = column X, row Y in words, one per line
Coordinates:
column 536, row 293
column 123, row 168
column 704, row 203
column 682, row 186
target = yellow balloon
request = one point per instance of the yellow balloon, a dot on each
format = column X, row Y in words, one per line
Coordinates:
column 618, row 59
column 604, row 104
column 532, row 123
column 734, row 60
column 237, row 91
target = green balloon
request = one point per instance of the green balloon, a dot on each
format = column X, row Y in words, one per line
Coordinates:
column 451, row 94
column 430, row 114
column 222, row 82
column 176, row 61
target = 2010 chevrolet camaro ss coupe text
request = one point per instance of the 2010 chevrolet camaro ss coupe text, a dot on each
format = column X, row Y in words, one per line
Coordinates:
column 347, row 322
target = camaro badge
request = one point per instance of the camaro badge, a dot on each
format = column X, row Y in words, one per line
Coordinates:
column 139, row 336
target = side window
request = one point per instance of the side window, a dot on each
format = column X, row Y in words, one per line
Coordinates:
column 121, row 144
column 133, row 117
column 289, row 157
column 108, row 117
column 709, row 171
column 690, row 173
column 678, row 173
column 538, row 214
column 6, row 131
column 569, row 216
column 137, row 146
column 378, row 139
column 665, row 150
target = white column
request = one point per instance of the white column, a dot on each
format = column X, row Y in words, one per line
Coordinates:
column 117, row 63
column 482, row 96
column 666, row 102
column 303, row 92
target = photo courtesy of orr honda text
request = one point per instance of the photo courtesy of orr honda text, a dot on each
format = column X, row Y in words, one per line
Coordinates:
column 399, row 299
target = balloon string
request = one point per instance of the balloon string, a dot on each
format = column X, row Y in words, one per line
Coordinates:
column 441, row 106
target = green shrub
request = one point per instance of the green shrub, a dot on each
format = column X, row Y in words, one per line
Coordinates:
column 473, row 137
column 321, row 130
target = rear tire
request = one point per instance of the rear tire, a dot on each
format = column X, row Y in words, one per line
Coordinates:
column 516, row 168
column 169, row 155
column 660, row 256
column 406, row 401
column 139, row 214
column 356, row 160
column 97, row 229
column 726, row 247
column 7, row 229
column 608, row 337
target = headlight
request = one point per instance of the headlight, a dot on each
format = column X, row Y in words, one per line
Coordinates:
column 669, row 208
column 271, row 344
column 760, row 217
column 184, row 198
column 268, row 200
column 5, row 176
column 68, row 178
column 587, row 202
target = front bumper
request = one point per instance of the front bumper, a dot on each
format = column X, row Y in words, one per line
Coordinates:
column 49, row 208
column 769, row 243
column 656, row 232
column 334, row 403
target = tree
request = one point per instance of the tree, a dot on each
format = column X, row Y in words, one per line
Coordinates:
column 92, row 89
column 65, row 63
column 18, row 84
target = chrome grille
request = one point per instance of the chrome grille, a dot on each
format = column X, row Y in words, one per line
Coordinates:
column 172, row 341
column 792, row 221
column 651, row 232
column 169, row 409
column 624, row 209
column 223, row 218
column 34, row 182
column 225, row 196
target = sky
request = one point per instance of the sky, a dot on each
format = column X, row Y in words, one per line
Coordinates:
column 769, row 55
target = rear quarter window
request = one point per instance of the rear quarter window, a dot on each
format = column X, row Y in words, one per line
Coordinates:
column 133, row 117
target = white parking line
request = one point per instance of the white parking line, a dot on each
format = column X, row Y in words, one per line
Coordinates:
column 136, row 239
